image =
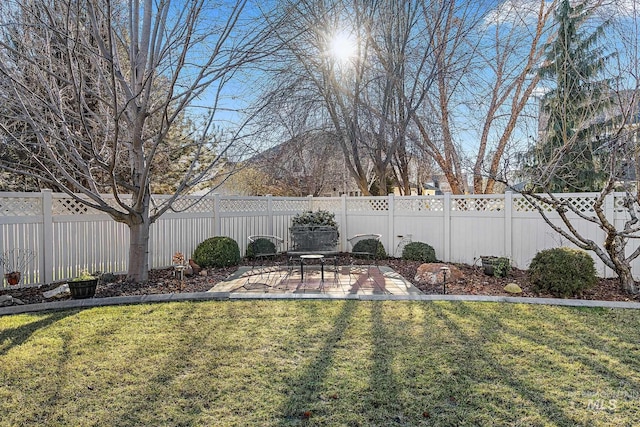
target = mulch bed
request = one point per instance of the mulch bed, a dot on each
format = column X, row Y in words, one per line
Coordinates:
column 475, row 282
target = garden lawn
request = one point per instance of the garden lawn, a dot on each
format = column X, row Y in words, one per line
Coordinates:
column 333, row 363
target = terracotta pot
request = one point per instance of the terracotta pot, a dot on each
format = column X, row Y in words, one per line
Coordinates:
column 13, row 278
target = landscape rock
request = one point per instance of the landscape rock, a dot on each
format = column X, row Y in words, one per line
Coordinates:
column 513, row 288
column 8, row 300
column 203, row 273
column 431, row 273
column 62, row 289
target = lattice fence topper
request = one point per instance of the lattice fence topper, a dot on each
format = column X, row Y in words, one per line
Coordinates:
column 618, row 203
column 331, row 205
column 290, row 205
column 367, row 205
column 583, row 205
column 193, row 204
column 70, row 206
column 239, row 205
column 478, row 205
column 20, row 206
column 419, row 205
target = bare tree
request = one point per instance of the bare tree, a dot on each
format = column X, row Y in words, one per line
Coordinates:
column 482, row 77
column 346, row 60
column 94, row 88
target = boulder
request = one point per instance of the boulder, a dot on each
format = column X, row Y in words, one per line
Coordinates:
column 432, row 274
column 513, row 288
column 62, row 289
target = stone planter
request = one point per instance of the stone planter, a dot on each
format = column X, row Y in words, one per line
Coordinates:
column 314, row 239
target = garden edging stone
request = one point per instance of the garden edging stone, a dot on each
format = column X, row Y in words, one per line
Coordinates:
column 227, row 296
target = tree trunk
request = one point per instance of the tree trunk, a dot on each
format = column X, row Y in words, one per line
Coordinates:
column 627, row 283
column 139, row 251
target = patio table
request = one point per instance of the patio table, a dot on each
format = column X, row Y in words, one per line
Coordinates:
column 310, row 257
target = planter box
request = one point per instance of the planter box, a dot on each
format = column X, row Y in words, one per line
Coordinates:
column 314, row 239
column 81, row 289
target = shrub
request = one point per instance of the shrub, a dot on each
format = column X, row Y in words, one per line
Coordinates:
column 217, row 252
column 262, row 246
column 369, row 246
column 562, row 271
column 419, row 251
column 318, row 218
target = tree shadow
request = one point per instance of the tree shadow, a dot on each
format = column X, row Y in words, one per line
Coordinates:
column 384, row 394
column 304, row 390
column 14, row 337
column 465, row 367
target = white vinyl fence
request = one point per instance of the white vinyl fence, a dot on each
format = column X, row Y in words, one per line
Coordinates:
column 67, row 236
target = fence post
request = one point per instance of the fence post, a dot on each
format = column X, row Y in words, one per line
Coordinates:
column 508, row 225
column 47, row 236
column 216, row 215
column 446, row 227
column 345, row 230
column 270, row 215
column 391, row 233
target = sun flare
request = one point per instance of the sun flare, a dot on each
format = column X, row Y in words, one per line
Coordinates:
column 343, row 47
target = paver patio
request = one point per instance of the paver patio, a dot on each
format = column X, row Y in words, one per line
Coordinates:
column 362, row 280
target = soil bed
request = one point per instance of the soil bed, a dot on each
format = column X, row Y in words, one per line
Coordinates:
column 475, row 282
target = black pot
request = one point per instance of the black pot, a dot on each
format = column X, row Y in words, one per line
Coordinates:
column 489, row 264
column 81, row 289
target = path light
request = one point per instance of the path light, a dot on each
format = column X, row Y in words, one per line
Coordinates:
column 444, row 270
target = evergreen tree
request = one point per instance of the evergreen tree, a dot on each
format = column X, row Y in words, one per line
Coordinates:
column 571, row 154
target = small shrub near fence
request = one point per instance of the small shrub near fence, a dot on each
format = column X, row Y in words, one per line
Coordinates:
column 419, row 251
column 217, row 252
column 562, row 271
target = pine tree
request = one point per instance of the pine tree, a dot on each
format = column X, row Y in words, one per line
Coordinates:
column 571, row 155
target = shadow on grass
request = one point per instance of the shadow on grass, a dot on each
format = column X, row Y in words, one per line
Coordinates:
column 14, row 337
column 384, row 385
column 593, row 344
column 305, row 389
column 478, row 368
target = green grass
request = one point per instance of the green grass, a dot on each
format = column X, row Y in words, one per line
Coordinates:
column 333, row 363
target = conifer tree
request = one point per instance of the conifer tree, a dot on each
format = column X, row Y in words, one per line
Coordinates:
column 571, row 154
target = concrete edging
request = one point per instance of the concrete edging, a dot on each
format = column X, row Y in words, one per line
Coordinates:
column 227, row 296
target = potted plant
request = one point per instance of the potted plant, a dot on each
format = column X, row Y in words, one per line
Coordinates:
column 496, row 266
column 314, row 232
column 83, row 286
column 14, row 262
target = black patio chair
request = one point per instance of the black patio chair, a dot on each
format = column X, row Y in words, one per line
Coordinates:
column 364, row 251
column 262, row 248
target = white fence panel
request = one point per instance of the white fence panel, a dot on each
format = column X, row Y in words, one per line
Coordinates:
column 67, row 236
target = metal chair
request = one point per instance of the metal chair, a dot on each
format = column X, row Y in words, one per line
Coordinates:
column 365, row 247
column 262, row 247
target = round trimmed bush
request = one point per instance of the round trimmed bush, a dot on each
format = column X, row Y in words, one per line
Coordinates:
column 217, row 251
column 419, row 251
column 262, row 246
column 369, row 246
column 562, row 271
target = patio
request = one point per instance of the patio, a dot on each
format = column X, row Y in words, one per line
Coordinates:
column 361, row 280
